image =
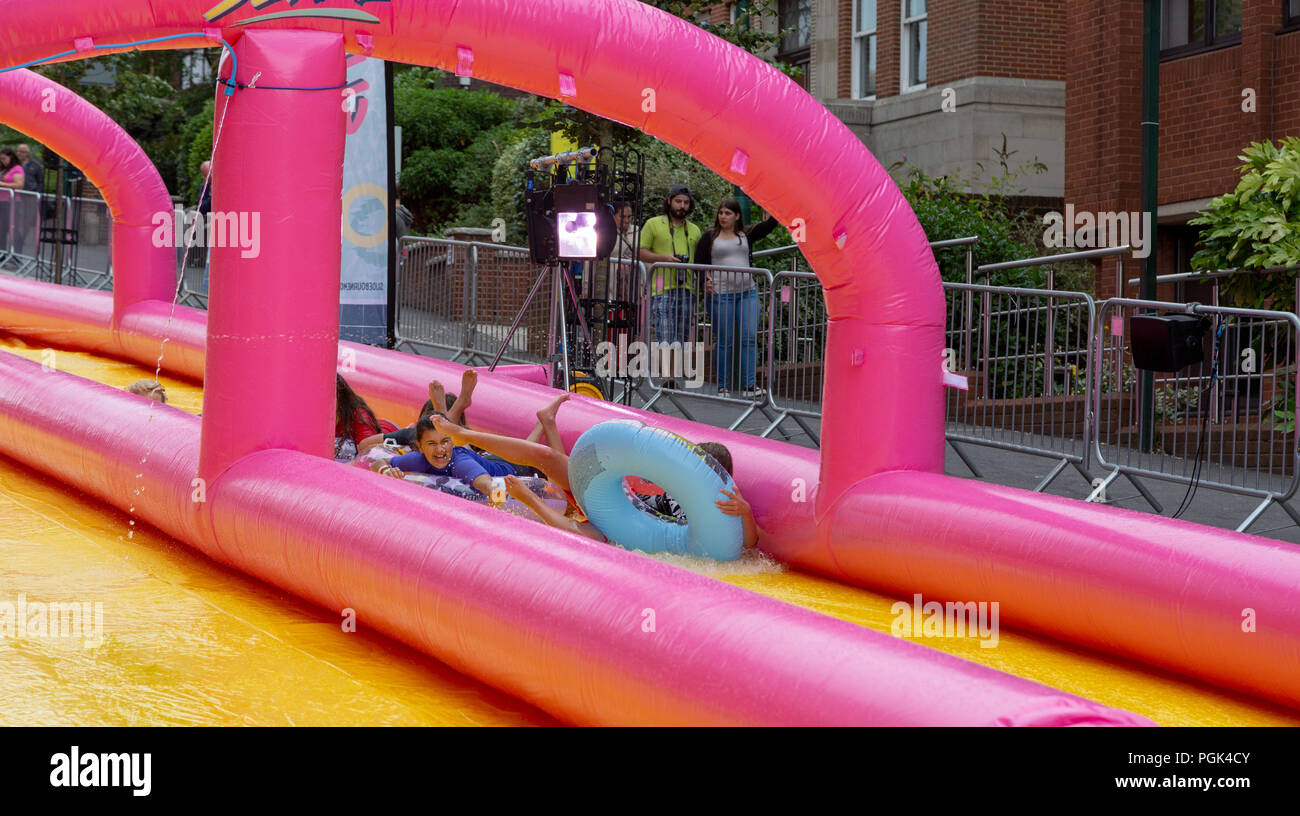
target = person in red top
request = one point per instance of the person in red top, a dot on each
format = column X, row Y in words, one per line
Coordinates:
column 353, row 419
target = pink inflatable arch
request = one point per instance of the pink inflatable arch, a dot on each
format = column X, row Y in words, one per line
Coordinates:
column 114, row 163
column 879, row 510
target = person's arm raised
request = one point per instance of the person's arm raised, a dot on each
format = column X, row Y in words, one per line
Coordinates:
column 761, row 230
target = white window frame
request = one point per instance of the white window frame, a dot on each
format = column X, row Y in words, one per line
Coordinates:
column 861, row 39
column 907, row 85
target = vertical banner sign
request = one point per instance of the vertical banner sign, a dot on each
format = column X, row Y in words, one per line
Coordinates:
column 363, row 285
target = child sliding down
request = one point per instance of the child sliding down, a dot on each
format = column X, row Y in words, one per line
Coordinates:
column 552, row 461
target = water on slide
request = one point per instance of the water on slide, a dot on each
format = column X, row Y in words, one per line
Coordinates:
column 187, row 641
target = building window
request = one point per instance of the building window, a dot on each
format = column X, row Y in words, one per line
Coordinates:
column 913, row 45
column 1291, row 13
column 795, row 19
column 1188, row 26
column 740, row 11
column 864, row 49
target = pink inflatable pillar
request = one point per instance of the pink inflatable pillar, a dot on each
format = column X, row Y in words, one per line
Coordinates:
column 273, row 310
column 115, row 164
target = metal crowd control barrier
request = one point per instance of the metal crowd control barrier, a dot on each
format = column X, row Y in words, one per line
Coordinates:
column 23, row 254
column 797, row 338
column 796, row 341
column 462, row 297
column 1024, row 353
column 1234, row 432
column 722, row 335
column 1026, row 364
column 1213, row 278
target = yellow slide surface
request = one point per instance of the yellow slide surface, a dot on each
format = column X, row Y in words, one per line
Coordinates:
column 185, row 641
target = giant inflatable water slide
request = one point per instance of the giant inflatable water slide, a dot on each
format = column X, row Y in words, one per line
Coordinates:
column 549, row 618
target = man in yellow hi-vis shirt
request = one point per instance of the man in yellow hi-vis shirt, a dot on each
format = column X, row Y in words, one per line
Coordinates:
column 665, row 238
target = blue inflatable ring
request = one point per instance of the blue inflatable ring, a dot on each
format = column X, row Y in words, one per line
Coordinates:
column 607, row 453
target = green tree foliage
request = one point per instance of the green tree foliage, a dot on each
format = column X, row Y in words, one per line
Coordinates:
column 1256, row 226
column 196, row 142
column 508, row 177
column 665, row 166
column 946, row 210
column 146, row 98
column 451, row 141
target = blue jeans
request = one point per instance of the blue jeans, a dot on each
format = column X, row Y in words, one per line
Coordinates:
column 674, row 315
column 735, row 323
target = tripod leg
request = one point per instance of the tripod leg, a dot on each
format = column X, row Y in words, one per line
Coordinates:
column 505, row 344
column 560, row 322
column 577, row 308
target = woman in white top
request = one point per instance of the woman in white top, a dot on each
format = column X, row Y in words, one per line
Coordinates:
column 733, row 298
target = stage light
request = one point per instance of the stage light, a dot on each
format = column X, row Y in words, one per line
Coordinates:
column 575, row 220
column 569, row 222
column 576, row 233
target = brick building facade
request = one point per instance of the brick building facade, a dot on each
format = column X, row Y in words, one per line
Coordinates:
column 939, row 83
column 1219, row 91
column 936, row 83
column 1061, row 79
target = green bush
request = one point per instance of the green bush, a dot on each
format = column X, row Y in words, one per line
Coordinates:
column 665, row 166
column 508, row 174
column 146, row 100
column 947, row 211
column 1256, row 226
column 451, row 141
column 196, row 139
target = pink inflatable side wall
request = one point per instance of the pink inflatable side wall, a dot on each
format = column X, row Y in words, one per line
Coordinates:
column 556, row 620
column 878, row 512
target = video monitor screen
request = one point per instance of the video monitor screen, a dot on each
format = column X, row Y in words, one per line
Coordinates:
column 577, row 234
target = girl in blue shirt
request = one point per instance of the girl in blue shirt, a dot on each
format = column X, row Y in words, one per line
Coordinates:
column 436, row 455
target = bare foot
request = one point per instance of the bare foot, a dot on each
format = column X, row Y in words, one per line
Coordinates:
column 548, row 413
column 518, row 490
column 468, row 381
column 523, row 494
column 437, row 396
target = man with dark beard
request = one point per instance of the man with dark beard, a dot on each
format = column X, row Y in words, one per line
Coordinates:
column 666, row 238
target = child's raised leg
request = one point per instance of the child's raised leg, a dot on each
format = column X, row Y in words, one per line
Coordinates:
column 546, row 421
column 468, row 382
column 437, row 395
column 555, row 465
column 548, row 514
column 462, row 401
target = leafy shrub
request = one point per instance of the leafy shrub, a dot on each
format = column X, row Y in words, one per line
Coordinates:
column 1256, row 226
column 508, row 175
column 452, row 139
